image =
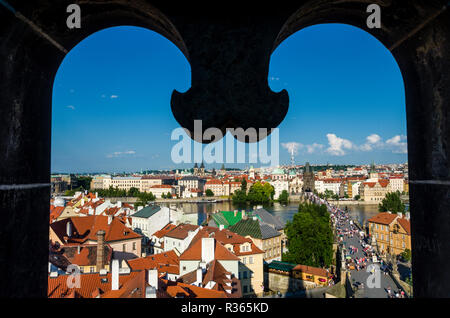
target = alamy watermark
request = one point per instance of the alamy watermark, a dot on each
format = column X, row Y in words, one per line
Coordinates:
column 214, row 151
column 374, row 279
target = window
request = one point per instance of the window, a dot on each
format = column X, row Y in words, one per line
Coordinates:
column 245, row 274
column 92, row 269
column 245, row 289
column 250, row 259
column 123, row 247
column 244, row 260
column 134, row 246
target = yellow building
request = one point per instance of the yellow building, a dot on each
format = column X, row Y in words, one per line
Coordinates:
column 319, row 276
column 391, row 232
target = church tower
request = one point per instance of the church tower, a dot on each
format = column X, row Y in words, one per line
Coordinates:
column 195, row 169
column 308, row 179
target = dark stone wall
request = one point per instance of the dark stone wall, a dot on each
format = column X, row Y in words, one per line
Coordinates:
column 228, row 46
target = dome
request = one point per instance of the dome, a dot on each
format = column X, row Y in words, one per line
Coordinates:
column 278, row 171
column 59, row 202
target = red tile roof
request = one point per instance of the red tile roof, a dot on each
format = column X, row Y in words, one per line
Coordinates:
column 385, row 218
column 405, row 224
column 177, row 289
column 194, row 252
column 181, row 231
column 93, row 284
column 86, row 227
column 55, row 212
column 311, row 270
column 161, row 233
column 225, row 236
column 166, row 262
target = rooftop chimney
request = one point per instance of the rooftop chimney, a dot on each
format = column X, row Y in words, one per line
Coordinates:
column 153, row 278
column 115, row 275
column 100, row 250
column 110, row 217
column 235, row 213
column 208, row 245
column 199, row 280
column 221, row 227
column 400, row 214
column 407, row 215
column 119, row 204
column 69, row 228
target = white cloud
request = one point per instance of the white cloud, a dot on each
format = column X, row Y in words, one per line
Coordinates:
column 372, row 141
column 292, row 147
column 313, row 148
column 121, row 154
column 114, row 96
column 398, row 144
column 272, row 78
column 337, row 145
column 71, row 107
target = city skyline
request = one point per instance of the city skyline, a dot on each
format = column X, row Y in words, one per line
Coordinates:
column 361, row 118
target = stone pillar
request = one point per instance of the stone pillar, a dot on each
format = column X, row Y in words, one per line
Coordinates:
column 425, row 63
column 28, row 64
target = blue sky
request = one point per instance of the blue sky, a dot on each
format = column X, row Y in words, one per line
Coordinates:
column 111, row 100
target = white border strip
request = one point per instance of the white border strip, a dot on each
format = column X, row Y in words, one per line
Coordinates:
column 441, row 182
column 23, row 186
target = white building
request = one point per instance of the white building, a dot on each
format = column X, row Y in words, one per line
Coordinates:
column 150, row 219
column 160, row 189
column 396, row 184
column 355, row 188
column 205, row 251
column 279, row 185
column 180, row 237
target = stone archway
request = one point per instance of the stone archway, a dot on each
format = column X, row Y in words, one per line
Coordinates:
column 228, row 48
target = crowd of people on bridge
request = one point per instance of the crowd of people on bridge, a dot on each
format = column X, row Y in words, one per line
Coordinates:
column 346, row 229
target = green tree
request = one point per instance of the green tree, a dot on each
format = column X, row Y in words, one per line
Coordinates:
column 392, row 202
column 244, row 185
column 269, row 190
column 209, row 193
column 169, row 195
column 310, row 237
column 84, row 182
column 357, row 197
column 328, row 194
column 239, row 197
column 284, row 197
column 257, row 195
column 144, row 198
column 406, row 255
column 133, row 192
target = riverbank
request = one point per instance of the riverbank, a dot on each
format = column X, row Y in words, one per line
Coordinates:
column 133, row 200
column 351, row 202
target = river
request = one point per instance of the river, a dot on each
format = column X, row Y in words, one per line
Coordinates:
column 361, row 213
